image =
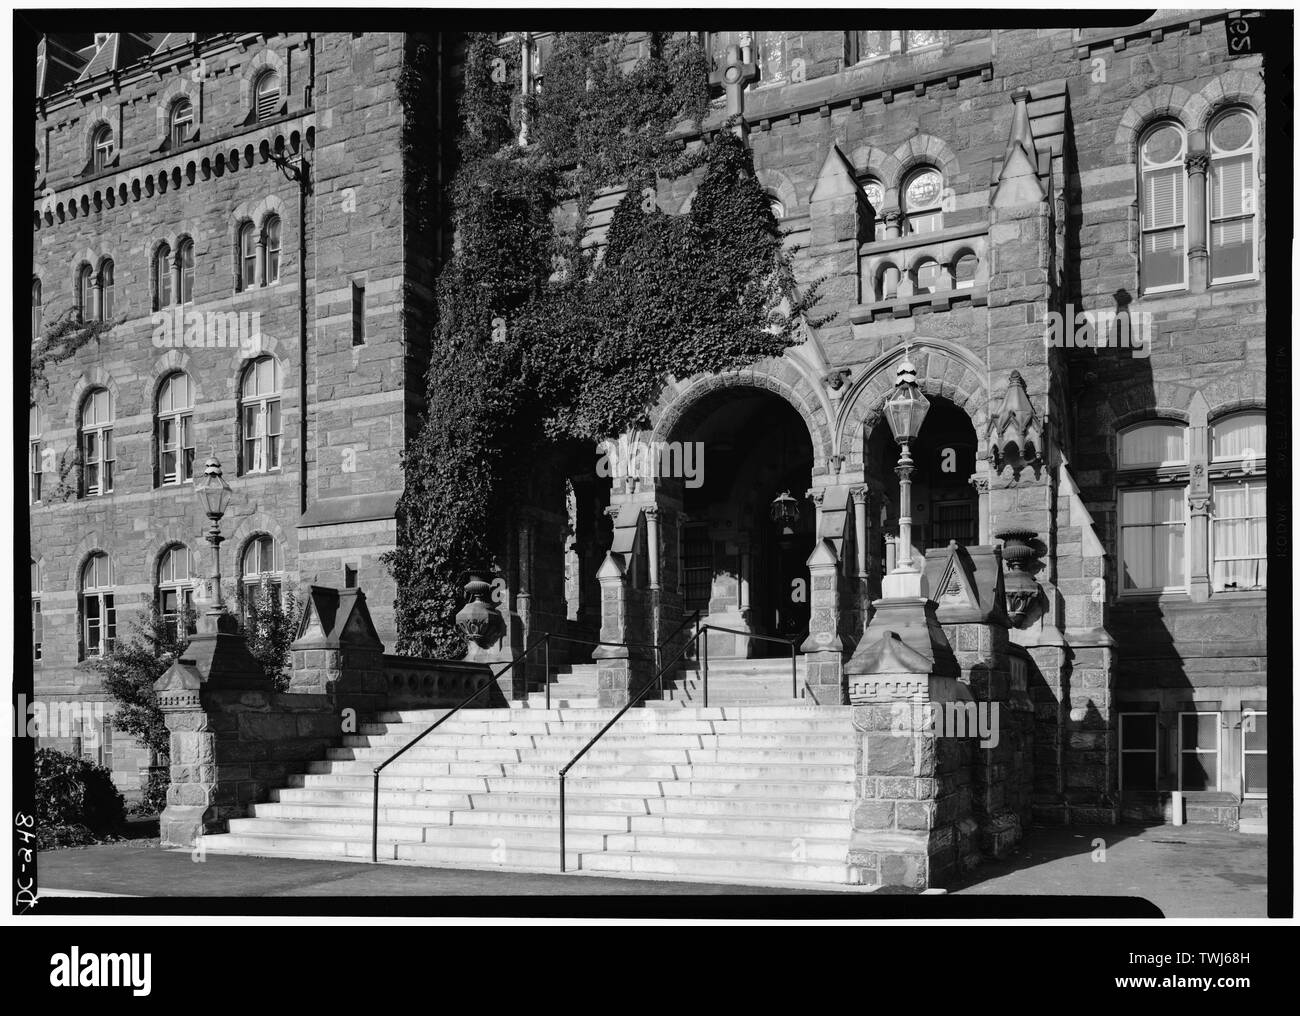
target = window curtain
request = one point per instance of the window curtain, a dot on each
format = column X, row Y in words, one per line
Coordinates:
column 1239, row 556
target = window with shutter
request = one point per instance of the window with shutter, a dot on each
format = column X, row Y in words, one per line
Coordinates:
column 267, row 95
column 1233, row 197
column 1164, row 209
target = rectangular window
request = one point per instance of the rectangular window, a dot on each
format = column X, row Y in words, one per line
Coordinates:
column 1254, row 753
column 697, row 566
column 106, row 744
column 173, row 604
column 100, row 623
column 175, row 449
column 248, row 258
column 1138, row 751
column 1232, row 219
column 952, row 520
column 262, row 436
column 358, row 314
column 1237, row 536
column 1164, row 240
column 1153, row 525
column 859, row 46
column 97, row 462
column 1198, row 751
column 349, row 576
column 38, row 631
column 34, row 472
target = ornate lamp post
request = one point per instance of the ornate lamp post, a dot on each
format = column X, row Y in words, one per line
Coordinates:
column 214, row 496
column 905, row 410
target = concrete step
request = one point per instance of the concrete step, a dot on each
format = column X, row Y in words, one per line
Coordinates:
column 718, row 868
column 645, row 752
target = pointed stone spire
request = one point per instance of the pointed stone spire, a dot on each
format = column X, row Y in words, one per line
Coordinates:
column 1018, row 181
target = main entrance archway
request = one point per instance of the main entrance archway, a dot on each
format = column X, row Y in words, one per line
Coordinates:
column 737, row 565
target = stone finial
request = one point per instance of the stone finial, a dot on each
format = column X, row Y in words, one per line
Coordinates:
column 1015, row 433
column 1017, row 182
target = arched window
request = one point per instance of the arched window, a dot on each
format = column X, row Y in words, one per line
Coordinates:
column 1153, row 477
column 259, row 403
column 963, row 271
column 1237, row 536
column 37, row 311
column 102, row 145
column 106, row 290
column 98, row 612
column 176, row 590
column 185, row 258
column 1234, row 196
column 96, row 443
column 1164, row 208
column 261, row 576
column 247, row 256
column 875, row 192
column 162, row 277
column 38, row 625
column 85, row 293
column 271, row 232
column 926, row 277
column 182, row 122
column 266, row 95
column 923, row 200
column 34, row 454
column 175, row 430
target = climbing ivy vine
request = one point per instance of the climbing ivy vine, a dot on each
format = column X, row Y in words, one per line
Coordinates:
column 541, row 346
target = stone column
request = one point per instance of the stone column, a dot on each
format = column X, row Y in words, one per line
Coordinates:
column 176, row 278
column 911, row 820
column 824, row 648
column 1198, row 255
column 614, row 670
column 97, row 296
column 261, row 258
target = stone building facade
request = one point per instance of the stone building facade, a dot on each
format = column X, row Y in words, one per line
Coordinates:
column 236, row 203
column 1061, row 229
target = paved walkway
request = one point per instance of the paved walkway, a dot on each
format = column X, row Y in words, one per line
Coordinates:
column 1188, row 871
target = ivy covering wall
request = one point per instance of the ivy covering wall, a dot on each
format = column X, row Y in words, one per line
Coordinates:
column 541, row 346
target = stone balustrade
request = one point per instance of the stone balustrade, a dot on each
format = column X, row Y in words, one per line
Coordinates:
column 901, row 275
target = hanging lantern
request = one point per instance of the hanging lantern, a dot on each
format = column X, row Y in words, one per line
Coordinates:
column 785, row 512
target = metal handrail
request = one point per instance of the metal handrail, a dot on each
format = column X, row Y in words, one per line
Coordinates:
column 656, row 646
column 601, row 733
column 792, row 643
column 491, row 683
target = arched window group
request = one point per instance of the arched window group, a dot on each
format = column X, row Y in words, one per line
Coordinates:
column 258, row 253
column 1191, row 202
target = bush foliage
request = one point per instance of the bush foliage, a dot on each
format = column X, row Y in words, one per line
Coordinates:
column 541, row 348
column 76, row 801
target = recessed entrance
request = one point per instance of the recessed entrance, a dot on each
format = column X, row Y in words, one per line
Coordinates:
column 743, row 564
column 944, row 504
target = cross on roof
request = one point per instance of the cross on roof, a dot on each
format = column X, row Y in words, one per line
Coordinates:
column 733, row 77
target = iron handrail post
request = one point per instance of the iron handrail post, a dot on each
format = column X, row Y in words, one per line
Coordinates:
column 374, row 808
column 794, row 673
column 563, row 773
column 704, row 663
column 546, row 676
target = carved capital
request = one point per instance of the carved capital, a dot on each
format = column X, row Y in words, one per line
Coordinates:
column 1197, row 162
column 817, row 495
column 651, row 511
column 980, row 483
column 1199, row 504
column 861, row 495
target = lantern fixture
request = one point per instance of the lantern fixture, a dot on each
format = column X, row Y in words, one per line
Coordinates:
column 785, row 512
column 213, row 491
column 906, row 408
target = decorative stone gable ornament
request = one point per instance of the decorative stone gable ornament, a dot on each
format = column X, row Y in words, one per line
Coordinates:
column 1015, row 432
column 1023, row 594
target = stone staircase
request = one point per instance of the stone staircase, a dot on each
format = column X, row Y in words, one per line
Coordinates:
column 731, row 793
column 732, row 682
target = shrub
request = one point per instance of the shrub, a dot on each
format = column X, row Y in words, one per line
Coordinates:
column 76, row 801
